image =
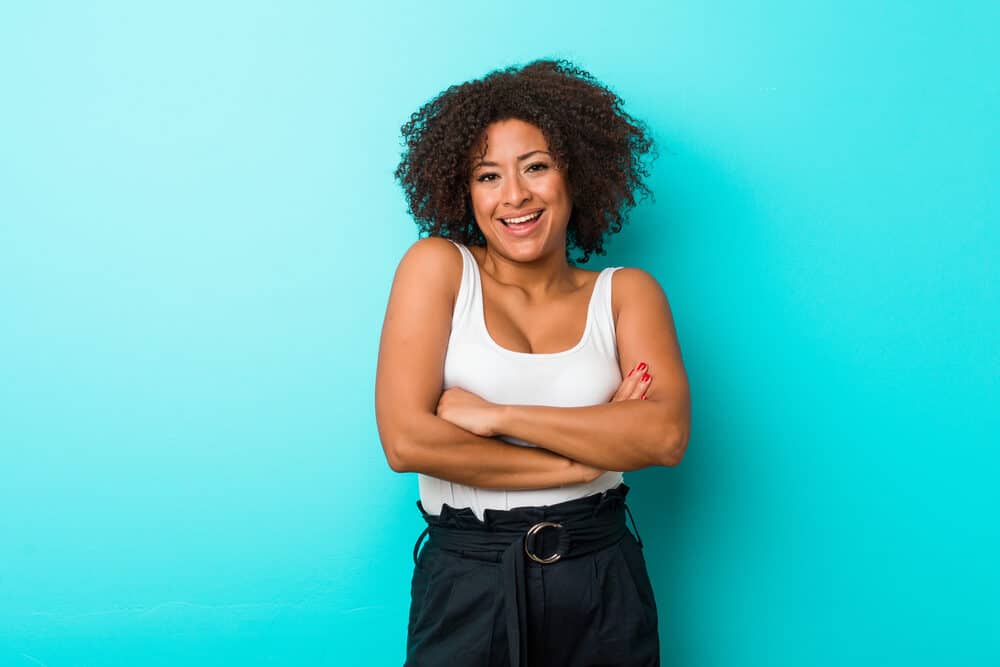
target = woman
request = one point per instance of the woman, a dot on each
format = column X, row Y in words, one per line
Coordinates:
column 520, row 387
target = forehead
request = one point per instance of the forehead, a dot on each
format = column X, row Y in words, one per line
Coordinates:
column 510, row 137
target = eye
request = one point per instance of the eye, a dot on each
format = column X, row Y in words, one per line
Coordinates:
column 485, row 178
column 538, row 164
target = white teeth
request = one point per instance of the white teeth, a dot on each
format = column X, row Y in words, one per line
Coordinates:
column 525, row 218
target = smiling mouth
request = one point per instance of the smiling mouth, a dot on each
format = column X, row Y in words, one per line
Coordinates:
column 522, row 220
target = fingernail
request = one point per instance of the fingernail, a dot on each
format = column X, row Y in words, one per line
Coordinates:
column 630, row 373
column 641, row 366
column 645, row 377
column 644, row 397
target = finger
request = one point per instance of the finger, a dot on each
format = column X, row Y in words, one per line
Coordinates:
column 642, row 386
column 629, row 383
column 638, row 381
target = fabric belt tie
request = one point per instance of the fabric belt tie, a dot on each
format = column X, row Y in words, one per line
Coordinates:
column 577, row 536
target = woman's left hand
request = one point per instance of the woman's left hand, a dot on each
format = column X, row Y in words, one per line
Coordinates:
column 469, row 411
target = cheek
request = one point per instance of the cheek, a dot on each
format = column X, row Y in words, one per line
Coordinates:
column 483, row 201
column 555, row 186
column 556, row 192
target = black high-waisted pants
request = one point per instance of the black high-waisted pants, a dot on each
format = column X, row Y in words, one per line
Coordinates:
column 479, row 597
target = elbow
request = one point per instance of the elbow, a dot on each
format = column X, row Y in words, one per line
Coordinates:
column 397, row 451
column 402, row 444
column 675, row 445
column 395, row 460
column 397, row 456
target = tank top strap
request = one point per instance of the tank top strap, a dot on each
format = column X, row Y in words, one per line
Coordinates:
column 603, row 325
column 468, row 295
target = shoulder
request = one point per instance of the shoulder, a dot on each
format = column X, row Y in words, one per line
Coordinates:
column 433, row 263
column 633, row 279
column 632, row 287
column 431, row 249
column 433, row 254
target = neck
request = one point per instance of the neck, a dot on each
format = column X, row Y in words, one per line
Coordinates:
column 540, row 278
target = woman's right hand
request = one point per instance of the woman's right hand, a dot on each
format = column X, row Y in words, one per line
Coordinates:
column 633, row 386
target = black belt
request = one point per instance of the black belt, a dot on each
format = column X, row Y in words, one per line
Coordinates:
column 583, row 526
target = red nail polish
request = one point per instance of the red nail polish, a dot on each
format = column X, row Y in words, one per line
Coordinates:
column 645, row 377
column 630, row 373
column 642, row 366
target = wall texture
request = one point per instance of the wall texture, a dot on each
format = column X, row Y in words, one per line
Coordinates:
column 198, row 230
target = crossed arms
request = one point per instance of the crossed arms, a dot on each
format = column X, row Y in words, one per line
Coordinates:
column 450, row 434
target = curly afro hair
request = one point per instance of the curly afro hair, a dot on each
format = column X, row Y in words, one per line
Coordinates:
column 589, row 135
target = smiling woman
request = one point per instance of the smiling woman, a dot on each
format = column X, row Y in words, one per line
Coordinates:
column 519, row 387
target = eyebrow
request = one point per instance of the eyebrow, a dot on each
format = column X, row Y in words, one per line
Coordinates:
column 484, row 163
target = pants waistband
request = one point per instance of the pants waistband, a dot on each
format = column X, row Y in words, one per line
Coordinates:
column 576, row 527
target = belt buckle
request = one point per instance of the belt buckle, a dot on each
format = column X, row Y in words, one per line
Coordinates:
column 534, row 530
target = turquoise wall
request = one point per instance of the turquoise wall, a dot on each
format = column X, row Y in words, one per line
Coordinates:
column 198, row 230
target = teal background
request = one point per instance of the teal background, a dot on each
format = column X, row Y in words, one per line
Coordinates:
column 198, row 231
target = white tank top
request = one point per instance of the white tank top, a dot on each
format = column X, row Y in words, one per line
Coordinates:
column 586, row 374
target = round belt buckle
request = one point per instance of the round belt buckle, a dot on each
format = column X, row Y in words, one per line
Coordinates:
column 534, row 530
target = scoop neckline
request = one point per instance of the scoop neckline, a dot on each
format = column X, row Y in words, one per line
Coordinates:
column 516, row 353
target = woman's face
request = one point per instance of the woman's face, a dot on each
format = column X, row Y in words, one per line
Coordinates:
column 517, row 177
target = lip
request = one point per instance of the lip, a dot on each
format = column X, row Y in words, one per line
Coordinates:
column 526, row 229
column 519, row 215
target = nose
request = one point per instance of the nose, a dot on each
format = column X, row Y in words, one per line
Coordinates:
column 514, row 191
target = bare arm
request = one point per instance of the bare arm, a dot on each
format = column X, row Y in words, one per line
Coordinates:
column 409, row 381
column 448, row 452
column 628, row 435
